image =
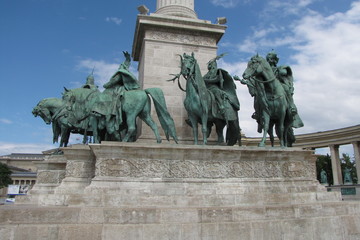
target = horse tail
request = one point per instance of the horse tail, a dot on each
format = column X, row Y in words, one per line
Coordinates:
column 166, row 121
column 233, row 133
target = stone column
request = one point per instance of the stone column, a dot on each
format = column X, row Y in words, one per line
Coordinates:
column 180, row 8
column 356, row 146
column 335, row 163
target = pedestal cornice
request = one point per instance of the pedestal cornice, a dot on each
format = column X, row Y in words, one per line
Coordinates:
column 192, row 26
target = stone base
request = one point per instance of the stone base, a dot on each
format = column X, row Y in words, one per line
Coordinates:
column 301, row 221
column 167, row 191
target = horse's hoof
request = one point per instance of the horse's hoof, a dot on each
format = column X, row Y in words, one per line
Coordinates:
column 261, row 145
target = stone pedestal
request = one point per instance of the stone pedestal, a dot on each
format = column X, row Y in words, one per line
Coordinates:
column 50, row 173
column 167, row 191
column 80, row 167
column 158, row 41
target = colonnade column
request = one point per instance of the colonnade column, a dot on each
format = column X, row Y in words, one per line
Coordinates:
column 356, row 146
column 335, row 163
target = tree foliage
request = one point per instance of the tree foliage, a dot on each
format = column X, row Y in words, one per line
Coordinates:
column 324, row 162
column 5, row 173
column 348, row 163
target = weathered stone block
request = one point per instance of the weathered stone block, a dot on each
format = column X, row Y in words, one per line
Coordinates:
column 116, row 231
column 80, row 231
column 36, row 232
column 132, row 216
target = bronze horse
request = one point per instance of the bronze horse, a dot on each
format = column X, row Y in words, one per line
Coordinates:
column 271, row 104
column 198, row 104
column 47, row 109
column 134, row 103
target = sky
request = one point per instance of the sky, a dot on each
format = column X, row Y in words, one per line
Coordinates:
column 47, row 45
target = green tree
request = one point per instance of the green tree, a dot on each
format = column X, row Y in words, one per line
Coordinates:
column 348, row 163
column 5, row 173
column 324, row 162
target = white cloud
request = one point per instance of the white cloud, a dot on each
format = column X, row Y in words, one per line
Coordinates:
column 268, row 37
column 225, row 3
column 325, row 62
column 289, row 7
column 8, row 148
column 5, row 121
column 327, row 87
column 115, row 20
column 102, row 70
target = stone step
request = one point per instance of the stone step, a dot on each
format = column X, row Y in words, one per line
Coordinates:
column 199, row 200
column 156, row 215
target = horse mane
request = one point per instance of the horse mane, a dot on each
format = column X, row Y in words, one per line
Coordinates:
column 263, row 62
column 201, row 86
column 46, row 100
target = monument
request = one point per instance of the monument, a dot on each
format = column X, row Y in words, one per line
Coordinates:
column 159, row 39
column 121, row 190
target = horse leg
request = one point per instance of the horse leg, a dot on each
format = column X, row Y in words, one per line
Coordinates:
column 280, row 127
column 219, row 126
column 94, row 127
column 287, row 132
column 131, row 128
column 85, row 137
column 271, row 133
column 65, row 135
column 56, row 133
column 194, row 125
column 266, row 128
column 204, row 121
column 146, row 117
column 280, row 131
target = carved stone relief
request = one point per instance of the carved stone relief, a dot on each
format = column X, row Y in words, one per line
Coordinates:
column 180, row 37
column 203, row 169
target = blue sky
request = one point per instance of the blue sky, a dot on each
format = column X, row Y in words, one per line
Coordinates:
column 47, row 45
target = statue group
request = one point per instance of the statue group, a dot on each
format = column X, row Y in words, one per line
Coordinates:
column 109, row 115
column 210, row 100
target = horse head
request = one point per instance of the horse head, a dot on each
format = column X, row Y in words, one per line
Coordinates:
column 42, row 111
column 67, row 95
column 253, row 67
column 187, row 65
column 258, row 66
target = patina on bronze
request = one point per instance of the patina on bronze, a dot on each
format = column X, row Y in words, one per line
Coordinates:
column 109, row 115
column 210, row 100
column 272, row 89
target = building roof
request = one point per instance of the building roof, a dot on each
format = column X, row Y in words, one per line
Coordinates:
column 23, row 156
column 24, row 174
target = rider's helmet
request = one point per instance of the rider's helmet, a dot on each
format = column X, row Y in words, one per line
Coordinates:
column 90, row 80
column 272, row 56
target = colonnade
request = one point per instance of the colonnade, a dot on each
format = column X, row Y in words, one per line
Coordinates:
column 336, row 164
column 333, row 139
column 23, row 182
